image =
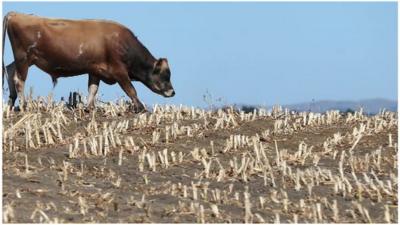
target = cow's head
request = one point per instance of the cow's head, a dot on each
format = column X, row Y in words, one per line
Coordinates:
column 159, row 79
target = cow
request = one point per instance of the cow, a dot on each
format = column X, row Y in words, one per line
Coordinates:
column 105, row 50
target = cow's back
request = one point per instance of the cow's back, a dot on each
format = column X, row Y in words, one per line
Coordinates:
column 63, row 27
column 64, row 46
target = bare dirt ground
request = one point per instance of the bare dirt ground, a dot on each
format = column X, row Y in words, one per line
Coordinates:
column 180, row 164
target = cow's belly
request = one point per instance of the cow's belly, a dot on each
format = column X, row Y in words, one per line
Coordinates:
column 60, row 69
column 57, row 70
column 64, row 64
column 108, row 81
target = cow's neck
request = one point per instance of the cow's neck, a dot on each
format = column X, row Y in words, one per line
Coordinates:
column 140, row 61
column 141, row 69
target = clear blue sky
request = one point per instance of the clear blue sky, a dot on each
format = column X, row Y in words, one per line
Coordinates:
column 254, row 53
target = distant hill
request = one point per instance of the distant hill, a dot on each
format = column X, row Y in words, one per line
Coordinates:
column 370, row 106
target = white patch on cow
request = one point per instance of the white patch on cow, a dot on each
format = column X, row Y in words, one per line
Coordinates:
column 169, row 92
column 19, row 83
column 39, row 35
column 32, row 46
column 92, row 92
column 81, row 49
column 116, row 34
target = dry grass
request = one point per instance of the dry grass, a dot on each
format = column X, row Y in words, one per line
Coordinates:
column 182, row 164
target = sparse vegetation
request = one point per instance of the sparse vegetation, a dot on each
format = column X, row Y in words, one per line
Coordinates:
column 184, row 164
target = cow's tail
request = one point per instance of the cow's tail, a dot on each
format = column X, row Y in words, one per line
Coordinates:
column 5, row 25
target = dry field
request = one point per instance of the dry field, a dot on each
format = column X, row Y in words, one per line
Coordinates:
column 182, row 164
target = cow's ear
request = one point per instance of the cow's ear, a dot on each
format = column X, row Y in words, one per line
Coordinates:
column 157, row 67
column 164, row 63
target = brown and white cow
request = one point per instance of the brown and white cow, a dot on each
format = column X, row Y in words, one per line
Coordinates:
column 105, row 50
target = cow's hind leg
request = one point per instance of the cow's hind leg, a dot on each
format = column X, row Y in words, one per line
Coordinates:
column 19, row 81
column 11, row 84
column 127, row 86
column 93, row 86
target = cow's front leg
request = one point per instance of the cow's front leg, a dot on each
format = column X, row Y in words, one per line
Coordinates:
column 127, row 86
column 93, row 86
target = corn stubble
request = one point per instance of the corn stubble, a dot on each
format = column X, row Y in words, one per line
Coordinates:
column 184, row 164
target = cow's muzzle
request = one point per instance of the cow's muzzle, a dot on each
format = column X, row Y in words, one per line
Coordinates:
column 169, row 93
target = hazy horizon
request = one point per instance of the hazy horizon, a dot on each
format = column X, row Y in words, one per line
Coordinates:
column 262, row 53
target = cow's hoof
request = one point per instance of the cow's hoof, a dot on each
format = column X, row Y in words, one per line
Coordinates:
column 144, row 110
column 89, row 109
column 138, row 108
column 21, row 108
column 11, row 108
